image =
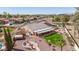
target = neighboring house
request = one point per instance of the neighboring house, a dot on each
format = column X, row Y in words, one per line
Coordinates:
column 6, row 21
column 40, row 27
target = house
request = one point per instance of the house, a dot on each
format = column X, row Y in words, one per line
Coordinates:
column 4, row 20
column 39, row 28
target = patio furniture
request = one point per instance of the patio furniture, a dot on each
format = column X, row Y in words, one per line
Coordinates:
column 35, row 45
column 31, row 45
column 26, row 44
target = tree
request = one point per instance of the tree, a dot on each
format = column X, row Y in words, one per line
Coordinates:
column 75, row 21
column 9, row 16
column 5, row 14
column 56, row 18
column 64, row 18
column 1, row 15
column 62, row 43
column 8, row 39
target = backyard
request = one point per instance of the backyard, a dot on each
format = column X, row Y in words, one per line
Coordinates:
column 55, row 39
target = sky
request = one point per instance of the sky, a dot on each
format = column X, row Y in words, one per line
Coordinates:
column 37, row 10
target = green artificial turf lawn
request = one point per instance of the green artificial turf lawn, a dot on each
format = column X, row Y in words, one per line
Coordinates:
column 56, row 39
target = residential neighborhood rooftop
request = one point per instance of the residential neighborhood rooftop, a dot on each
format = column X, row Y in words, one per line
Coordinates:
column 40, row 27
